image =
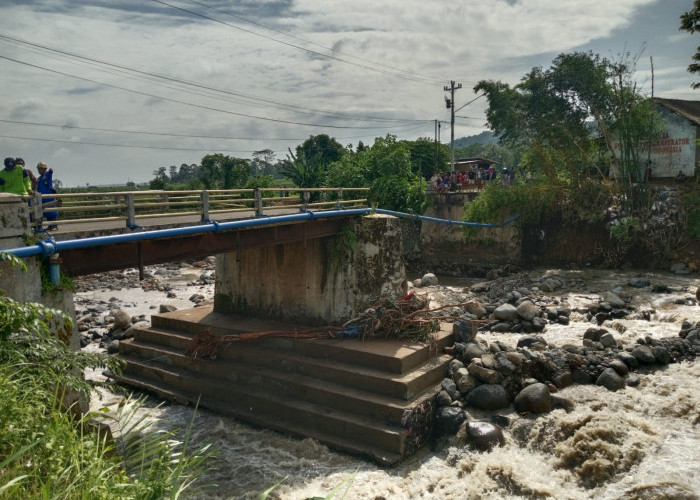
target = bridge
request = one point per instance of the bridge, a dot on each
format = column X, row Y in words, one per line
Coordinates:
column 281, row 269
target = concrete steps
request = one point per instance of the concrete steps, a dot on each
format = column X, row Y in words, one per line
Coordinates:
column 372, row 398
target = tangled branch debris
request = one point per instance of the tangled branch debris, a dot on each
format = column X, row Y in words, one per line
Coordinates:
column 407, row 318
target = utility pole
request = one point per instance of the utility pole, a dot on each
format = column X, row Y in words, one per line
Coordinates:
column 450, row 102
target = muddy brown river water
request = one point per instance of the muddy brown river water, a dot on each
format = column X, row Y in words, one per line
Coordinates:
column 637, row 443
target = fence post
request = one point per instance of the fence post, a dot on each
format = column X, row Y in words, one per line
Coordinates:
column 130, row 210
column 339, row 204
column 307, row 196
column 204, row 198
column 258, row 203
column 37, row 208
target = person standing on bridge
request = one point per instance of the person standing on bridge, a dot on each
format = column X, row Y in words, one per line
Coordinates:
column 14, row 179
column 44, row 185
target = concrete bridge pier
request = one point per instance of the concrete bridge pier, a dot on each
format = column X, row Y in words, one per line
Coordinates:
column 315, row 281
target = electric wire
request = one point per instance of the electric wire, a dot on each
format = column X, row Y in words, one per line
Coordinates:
column 431, row 80
column 316, row 53
column 169, row 99
column 259, row 100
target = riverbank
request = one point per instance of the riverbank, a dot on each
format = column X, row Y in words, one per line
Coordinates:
column 645, row 436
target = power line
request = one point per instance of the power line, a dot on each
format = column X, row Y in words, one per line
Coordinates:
column 429, row 80
column 298, row 109
column 130, row 146
column 365, row 66
column 209, row 108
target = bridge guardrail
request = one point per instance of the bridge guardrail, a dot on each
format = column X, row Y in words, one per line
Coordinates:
column 130, row 206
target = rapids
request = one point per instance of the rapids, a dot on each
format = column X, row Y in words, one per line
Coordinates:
column 637, row 443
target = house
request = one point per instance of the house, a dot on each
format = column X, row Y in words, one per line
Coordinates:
column 677, row 149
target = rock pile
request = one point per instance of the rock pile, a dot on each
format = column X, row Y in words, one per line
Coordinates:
column 528, row 372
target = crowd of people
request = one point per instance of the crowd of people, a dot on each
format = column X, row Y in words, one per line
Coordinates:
column 17, row 179
column 466, row 181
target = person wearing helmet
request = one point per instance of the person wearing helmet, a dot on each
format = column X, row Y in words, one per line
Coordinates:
column 13, row 178
column 44, row 185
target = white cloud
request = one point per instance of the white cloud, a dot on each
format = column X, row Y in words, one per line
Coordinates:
column 430, row 42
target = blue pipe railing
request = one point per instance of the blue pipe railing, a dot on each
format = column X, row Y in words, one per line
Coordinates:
column 50, row 247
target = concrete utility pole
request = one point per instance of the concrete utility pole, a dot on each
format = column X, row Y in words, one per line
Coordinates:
column 450, row 102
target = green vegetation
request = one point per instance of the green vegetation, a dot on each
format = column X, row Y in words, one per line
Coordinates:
column 50, row 450
column 690, row 22
column 578, row 132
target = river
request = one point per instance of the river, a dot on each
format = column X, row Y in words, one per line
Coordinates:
column 637, row 443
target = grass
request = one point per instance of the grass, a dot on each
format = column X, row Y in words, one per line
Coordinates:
column 47, row 452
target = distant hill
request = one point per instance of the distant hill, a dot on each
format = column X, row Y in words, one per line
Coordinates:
column 486, row 137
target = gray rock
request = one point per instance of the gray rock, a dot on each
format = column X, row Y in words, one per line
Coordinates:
column 644, row 354
column 483, row 435
column 488, row 360
column 527, row 310
column 504, row 365
column 113, row 347
column 443, row 398
column 619, row 366
column 502, row 327
column 472, row 350
column 484, row 374
column 594, row 334
column 448, row 419
column 454, row 365
column 613, row 299
column 539, row 324
column 464, row 381
column 608, row 340
column 633, row 380
column 122, row 320
column 529, row 340
column 534, row 398
column 451, row 388
column 166, row 308
column 661, row 355
column 611, row 380
column 506, row 312
column 429, row 279
column 488, row 397
column 464, row 331
column 639, row 282
column 628, row 360
column 580, row 376
column 476, row 309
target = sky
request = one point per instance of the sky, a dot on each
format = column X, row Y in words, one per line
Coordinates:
column 107, row 92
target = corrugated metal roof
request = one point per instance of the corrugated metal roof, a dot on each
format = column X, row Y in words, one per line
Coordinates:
column 687, row 109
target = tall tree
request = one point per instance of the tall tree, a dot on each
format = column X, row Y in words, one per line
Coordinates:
column 558, row 115
column 223, row 171
column 324, row 148
column 427, row 156
column 690, row 22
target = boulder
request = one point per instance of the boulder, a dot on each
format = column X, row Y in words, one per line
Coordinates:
column 472, row 350
column 429, row 279
column 464, row 381
column 464, row 331
column 661, row 355
column 506, row 312
column 619, row 366
column 643, row 354
column 122, row 320
column 611, row 380
column 485, row 375
column 594, row 334
column 608, row 340
column 448, row 419
column 450, row 387
column 476, row 309
column 527, row 310
column 488, row 397
column 482, row 436
column 534, row 398
column 613, row 299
